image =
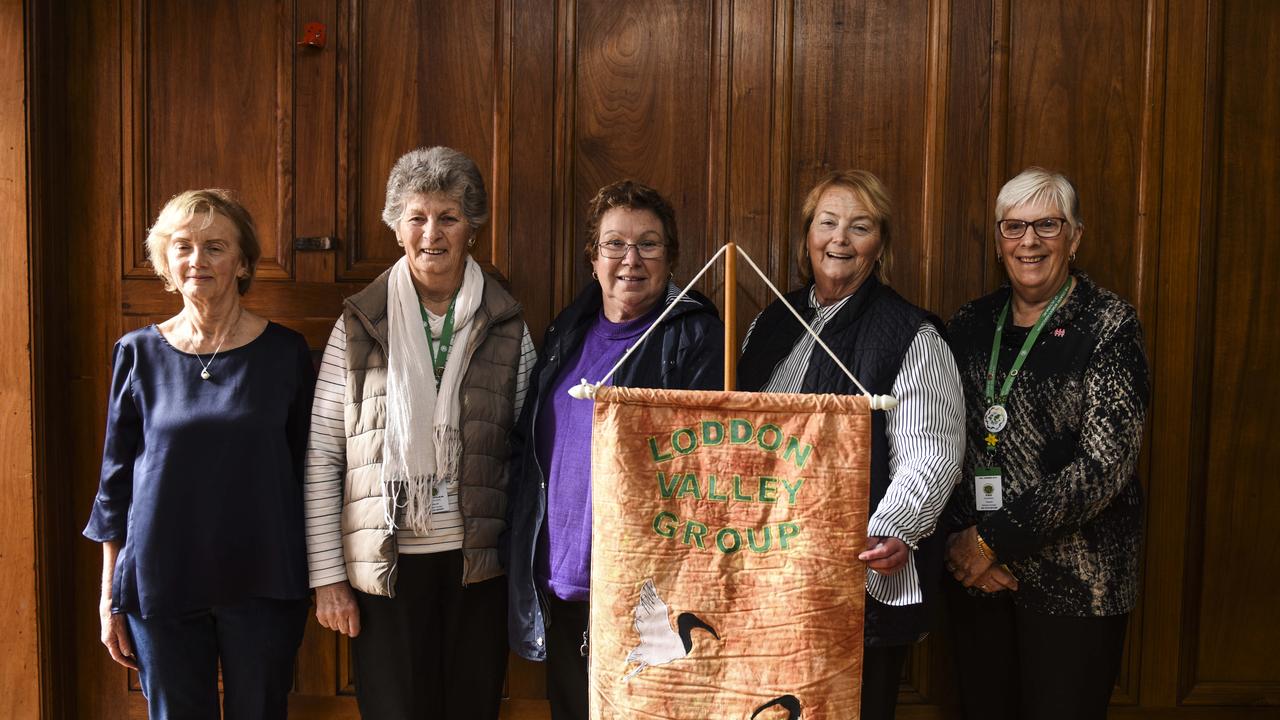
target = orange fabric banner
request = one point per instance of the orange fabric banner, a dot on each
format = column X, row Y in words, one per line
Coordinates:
column 724, row 574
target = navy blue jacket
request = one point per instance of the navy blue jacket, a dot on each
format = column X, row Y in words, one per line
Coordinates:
column 685, row 352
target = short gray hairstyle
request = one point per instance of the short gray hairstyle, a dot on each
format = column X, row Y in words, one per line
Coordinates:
column 1035, row 184
column 437, row 170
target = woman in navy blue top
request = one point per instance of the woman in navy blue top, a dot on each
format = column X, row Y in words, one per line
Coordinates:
column 199, row 507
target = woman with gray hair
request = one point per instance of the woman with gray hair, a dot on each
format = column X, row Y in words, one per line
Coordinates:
column 1047, row 520
column 406, row 483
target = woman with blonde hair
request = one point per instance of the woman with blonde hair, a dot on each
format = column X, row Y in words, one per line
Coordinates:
column 199, row 507
column 893, row 348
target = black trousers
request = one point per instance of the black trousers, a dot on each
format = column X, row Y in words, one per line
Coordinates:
column 881, row 676
column 435, row 650
column 566, row 666
column 1015, row 663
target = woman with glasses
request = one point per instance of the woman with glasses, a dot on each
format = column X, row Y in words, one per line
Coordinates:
column 632, row 248
column 893, row 348
column 1048, row 517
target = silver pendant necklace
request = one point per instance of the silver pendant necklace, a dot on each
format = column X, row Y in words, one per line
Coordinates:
column 204, row 366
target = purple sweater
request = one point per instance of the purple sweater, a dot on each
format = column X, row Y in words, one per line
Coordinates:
column 563, row 431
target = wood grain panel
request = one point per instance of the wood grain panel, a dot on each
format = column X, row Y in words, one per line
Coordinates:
column 1145, row 287
column 642, row 83
column 20, row 676
column 206, row 69
column 781, row 266
column 421, row 74
column 933, row 183
column 526, row 253
column 315, row 105
column 1238, row 655
column 859, row 102
column 967, row 250
column 751, row 154
column 719, row 160
column 55, row 593
column 1076, row 94
column 1175, row 338
column 85, row 148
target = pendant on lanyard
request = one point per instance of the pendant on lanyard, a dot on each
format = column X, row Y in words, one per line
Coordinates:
column 439, row 357
column 996, row 418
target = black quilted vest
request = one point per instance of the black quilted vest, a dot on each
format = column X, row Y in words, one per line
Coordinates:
column 870, row 335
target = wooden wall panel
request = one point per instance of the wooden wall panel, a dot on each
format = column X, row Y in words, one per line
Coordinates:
column 85, row 130
column 1238, row 655
column 193, row 62
column 858, row 101
column 315, row 129
column 641, row 80
column 525, row 247
column 20, row 664
column 754, row 57
column 1076, row 99
column 968, row 256
column 1175, row 339
column 421, row 74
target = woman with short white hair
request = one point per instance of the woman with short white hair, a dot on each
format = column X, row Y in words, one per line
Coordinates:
column 1047, row 519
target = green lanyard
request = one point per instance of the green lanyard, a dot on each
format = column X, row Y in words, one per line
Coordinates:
column 996, row 417
column 441, row 356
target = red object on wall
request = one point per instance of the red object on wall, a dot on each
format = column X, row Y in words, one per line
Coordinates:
column 312, row 35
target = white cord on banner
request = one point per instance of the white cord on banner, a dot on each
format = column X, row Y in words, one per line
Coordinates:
column 585, row 389
column 878, row 402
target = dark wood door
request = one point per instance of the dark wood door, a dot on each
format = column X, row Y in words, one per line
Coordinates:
column 220, row 95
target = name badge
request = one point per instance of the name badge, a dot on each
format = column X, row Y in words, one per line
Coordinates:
column 987, row 488
column 442, row 500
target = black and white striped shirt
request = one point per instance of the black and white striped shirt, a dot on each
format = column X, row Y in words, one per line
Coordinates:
column 326, row 464
column 926, row 443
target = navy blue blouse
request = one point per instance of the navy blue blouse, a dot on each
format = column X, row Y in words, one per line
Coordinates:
column 202, row 479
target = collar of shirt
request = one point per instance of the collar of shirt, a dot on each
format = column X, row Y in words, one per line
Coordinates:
column 823, row 314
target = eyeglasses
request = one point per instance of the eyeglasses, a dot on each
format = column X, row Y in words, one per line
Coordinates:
column 1046, row 228
column 617, row 249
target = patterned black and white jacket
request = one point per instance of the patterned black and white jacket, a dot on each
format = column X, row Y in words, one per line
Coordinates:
column 1070, row 527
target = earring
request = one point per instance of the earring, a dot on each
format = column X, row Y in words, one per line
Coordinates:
column 1072, row 258
column 472, row 241
column 999, row 258
column 594, row 276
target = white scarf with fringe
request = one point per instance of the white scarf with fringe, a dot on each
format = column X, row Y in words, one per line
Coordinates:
column 413, row 468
